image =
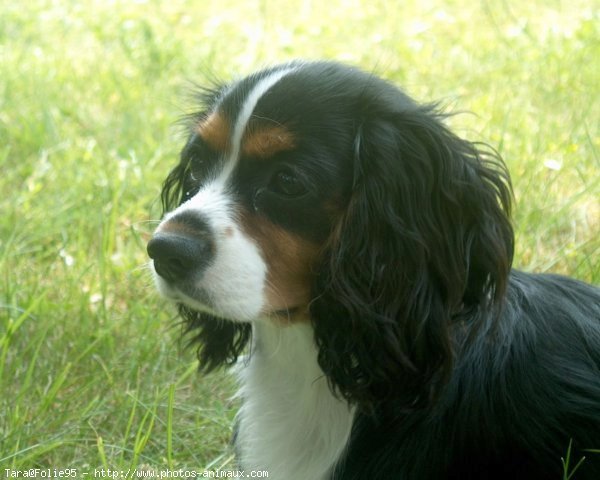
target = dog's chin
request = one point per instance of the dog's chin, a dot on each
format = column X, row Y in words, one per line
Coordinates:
column 197, row 301
column 278, row 316
column 287, row 313
column 200, row 301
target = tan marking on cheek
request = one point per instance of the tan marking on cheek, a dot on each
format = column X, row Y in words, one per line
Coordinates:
column 266, row 142
column 290, row 260
column 215, row 131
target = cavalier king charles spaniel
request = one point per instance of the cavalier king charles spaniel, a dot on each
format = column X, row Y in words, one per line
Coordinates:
column 360, row 253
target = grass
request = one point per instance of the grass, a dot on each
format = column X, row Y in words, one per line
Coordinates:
column 91, row 369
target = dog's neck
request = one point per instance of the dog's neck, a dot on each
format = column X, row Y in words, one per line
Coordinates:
column 290, row 423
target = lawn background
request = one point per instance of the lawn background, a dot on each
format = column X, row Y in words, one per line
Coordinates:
column 92, row 373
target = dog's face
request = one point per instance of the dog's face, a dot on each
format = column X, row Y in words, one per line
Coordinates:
column 263, row 178
column 316, row 192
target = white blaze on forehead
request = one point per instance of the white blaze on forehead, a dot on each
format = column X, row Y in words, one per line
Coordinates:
column 261, row 87
column 233, row 283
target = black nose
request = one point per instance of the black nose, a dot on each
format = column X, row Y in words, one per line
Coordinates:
column 180, row 250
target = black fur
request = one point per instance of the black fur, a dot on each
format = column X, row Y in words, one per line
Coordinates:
column 428, row 233
column 460, row 367
column 521, row 388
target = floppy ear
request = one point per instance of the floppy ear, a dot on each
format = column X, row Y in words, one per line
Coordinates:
column 425, row 239
column 220, row 342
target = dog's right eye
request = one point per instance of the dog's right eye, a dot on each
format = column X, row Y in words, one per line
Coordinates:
column 192, row 177
column 197, row 154
column 189, row 184
column 198, row 159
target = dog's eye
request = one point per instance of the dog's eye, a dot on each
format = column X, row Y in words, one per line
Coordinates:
column 286, row 182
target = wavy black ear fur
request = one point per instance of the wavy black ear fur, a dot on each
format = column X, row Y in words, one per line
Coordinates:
column 426, row 236
column 220, row 342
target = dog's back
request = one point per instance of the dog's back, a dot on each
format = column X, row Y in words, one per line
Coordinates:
column 510, row 411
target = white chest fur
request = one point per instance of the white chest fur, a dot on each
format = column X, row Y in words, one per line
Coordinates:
column 290, row 424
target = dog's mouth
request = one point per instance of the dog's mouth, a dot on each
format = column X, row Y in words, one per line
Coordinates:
column 290, row 315
column 194, row 299
column 199, row 300
column 287, row 312
column 190, row 296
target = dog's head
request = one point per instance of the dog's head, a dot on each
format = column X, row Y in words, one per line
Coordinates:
column 314, row 192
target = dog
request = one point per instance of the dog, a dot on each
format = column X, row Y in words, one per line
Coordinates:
column 360, row 253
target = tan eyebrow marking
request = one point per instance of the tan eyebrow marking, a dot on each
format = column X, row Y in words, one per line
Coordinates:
column 215, row 131
column 266, row 142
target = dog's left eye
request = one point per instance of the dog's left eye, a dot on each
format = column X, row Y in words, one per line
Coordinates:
column 285, row 182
